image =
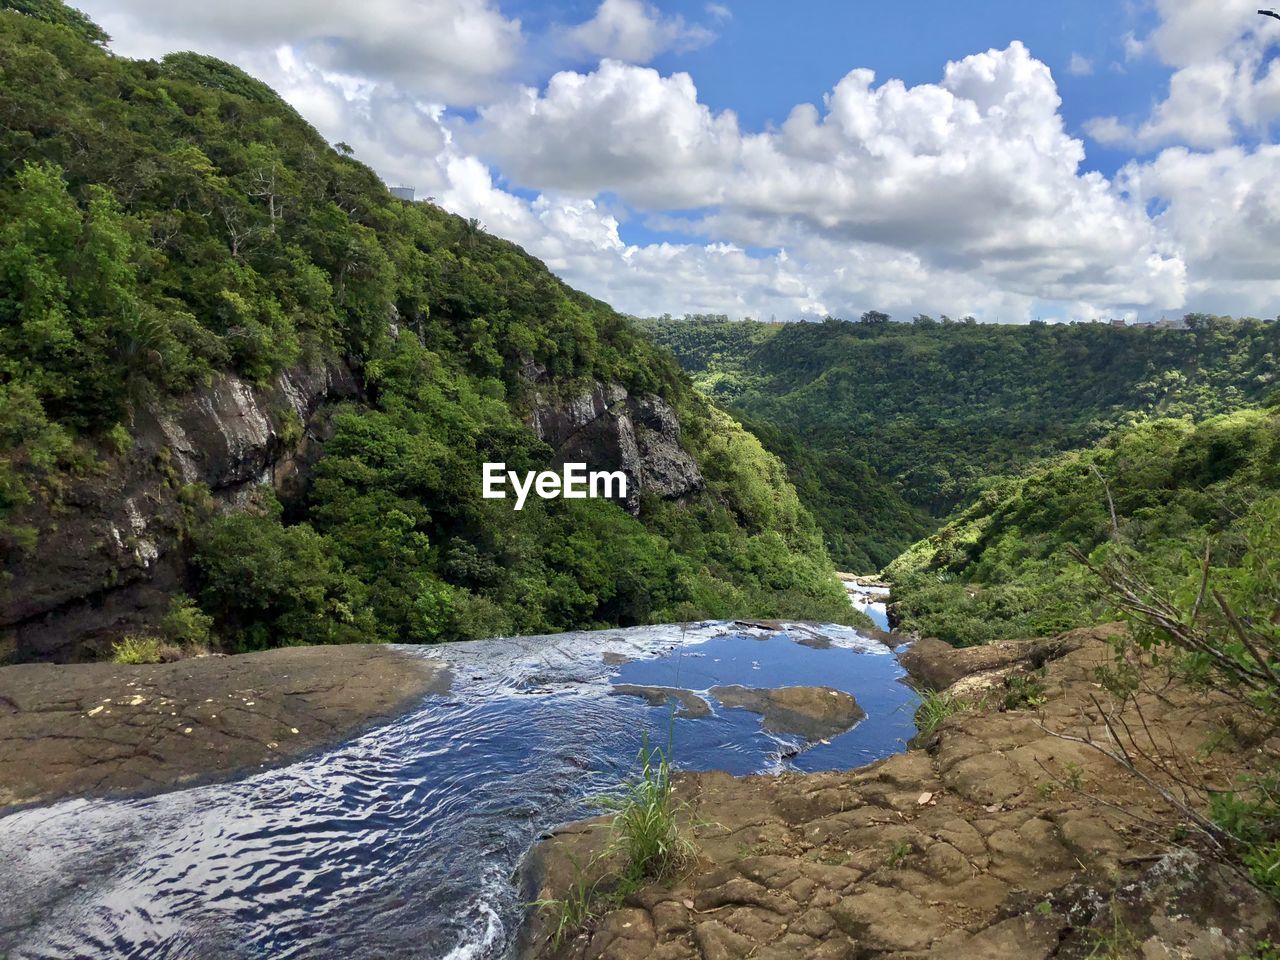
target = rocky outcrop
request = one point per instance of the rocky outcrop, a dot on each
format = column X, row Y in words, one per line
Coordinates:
column 106, row 559
column 608, row 429
column 97, row 728
column 815, row 713
column 999, row 837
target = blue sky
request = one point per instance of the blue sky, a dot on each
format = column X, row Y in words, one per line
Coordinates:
column 1010, row 160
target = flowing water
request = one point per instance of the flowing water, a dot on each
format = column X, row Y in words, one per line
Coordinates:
column 403, row 842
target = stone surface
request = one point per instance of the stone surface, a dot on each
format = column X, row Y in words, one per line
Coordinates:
column 608, row 429
column 94, row 728
column 815, row 713
column 1006, row 859
column 108, row 555
column 691, row 705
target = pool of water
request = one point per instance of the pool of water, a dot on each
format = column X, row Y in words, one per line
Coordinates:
column 403, row 841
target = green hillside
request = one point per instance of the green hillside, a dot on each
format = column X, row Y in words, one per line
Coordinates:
column 936, row 409
column 1014, row 563
column 162, row 221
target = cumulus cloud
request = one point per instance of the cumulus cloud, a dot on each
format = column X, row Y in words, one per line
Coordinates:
column 975, row 173
column 1222, row 82
column 1223, row 210
column 635, row 31
column 621, row 128
column 449, row 51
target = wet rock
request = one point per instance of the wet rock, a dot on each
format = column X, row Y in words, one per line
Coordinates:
column 815, row 713
column 691, row 705
column 100, row 728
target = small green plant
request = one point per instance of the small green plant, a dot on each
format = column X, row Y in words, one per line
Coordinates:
column 1024, row 690
column 645, row 828
column 1263, row 863
column 935, row 708
column 570, row 913
column 1262, row 950
column 1046, row 789
column 1044, row 908
column 136, row 649
column 1116, row 942
column 1074, row 776
column 901, row 850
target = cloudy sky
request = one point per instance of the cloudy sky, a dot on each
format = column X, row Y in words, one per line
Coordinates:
column 1000, row 158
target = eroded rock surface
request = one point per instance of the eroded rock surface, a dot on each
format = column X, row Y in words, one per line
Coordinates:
column 995, row 840
column 608, row 429
column 106, row 557
column 691, row 705
column 815, row 713
column 94, row 728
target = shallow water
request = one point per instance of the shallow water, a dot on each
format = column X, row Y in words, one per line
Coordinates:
column 871, row 601
column 402, row 842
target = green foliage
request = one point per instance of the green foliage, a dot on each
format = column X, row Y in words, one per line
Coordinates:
column 135, row 649
column 163, row 221
column 271, row 585
column 1251, row 816
column 646, row 831
column 886, row 424
column 1010, row 564
column 1023, row 690
column 935, row 708
column 59, row 14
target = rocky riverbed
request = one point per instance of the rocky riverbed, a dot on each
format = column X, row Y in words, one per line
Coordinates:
column 994, row 838
column 97, row 728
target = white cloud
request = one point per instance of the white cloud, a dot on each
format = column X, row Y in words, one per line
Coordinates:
column 1079, row 65
column 451, row 51
column 974, row 174
column 1222, row 82
column 1223, row 210
column 621, row 128
column 635, row 31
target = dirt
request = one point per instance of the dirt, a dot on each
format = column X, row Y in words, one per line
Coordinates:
column 815, row 713
column 994, row 838
column 104, row 728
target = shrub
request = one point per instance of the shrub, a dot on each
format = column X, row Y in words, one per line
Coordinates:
column 138, row 649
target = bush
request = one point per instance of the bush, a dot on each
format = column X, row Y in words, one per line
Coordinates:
column 138, row 649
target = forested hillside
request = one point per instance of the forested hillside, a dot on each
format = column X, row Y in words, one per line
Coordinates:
column 165, row 223
column 935, row 409
column 1016, row 563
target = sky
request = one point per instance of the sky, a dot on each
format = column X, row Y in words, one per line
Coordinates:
column 1000, row 159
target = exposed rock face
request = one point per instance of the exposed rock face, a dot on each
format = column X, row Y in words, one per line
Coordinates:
column 815, row 713
column 997, row 840
column 608, row 429
column 106, row 559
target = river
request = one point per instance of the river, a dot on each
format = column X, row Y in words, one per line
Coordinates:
column 403, row 841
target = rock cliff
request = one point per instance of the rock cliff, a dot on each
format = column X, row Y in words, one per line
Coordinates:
column 608, row 429
column 108, row 555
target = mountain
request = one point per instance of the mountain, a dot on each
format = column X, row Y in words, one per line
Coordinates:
column 894, row 425
column 246, row 394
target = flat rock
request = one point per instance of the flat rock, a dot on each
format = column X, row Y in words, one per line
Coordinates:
column 99, row 728
column 815, row 713
column 691, row 705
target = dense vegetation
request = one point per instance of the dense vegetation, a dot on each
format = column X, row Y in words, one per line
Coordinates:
column 1016, row 563
column 934, row 409
column 160, row 221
